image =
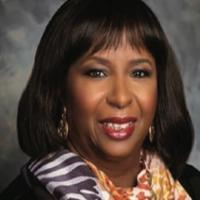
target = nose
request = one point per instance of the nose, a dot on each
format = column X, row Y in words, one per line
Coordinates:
column 120, row 95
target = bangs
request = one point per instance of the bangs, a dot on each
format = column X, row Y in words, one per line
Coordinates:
column 104, row 25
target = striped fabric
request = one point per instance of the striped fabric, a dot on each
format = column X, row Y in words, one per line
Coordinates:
column 66, row 176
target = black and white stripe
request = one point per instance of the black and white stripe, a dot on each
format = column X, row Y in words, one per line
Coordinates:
column 66, row 176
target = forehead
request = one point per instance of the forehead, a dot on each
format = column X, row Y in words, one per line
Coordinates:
column 124, row 51
column 116, row 41
column 121, row 46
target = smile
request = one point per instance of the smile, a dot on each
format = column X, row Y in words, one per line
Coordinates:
column 118, row 128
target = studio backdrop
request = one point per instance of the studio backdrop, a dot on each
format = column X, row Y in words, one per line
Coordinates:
column 22, row 23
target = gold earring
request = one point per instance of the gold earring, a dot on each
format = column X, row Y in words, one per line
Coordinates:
column 63, row 127
column 151, row 133
column 141, row 158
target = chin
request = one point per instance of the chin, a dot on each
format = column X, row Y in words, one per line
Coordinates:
column 118, row 151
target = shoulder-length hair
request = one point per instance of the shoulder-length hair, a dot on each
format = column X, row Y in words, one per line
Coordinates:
column 82, row 26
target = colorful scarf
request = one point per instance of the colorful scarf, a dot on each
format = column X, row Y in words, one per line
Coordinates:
column 66, row 176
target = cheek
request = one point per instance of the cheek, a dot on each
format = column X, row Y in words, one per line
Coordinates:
column 150, row 103
column 85, row 101
column 85, row 98
column 147, row 98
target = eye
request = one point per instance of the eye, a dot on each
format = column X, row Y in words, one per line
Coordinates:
column 95, row 73
column 141, row 73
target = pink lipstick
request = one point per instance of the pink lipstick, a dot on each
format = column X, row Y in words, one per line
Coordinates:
column 118, row 128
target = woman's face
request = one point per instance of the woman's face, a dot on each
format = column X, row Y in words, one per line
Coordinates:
column 112, row 101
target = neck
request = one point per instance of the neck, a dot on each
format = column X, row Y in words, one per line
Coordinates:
column 123, row 171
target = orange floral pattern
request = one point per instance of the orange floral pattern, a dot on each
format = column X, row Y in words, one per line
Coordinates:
column 154, row 182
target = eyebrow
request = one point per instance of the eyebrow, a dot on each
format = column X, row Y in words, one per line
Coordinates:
column 137, row 61
column 140, row 60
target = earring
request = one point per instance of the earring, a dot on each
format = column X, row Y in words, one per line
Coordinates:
column 63, row 127
column 151, row 133
column 141, row 158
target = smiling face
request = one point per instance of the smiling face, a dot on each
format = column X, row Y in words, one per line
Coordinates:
column 112, row 98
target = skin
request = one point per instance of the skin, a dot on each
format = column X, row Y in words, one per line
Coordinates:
column 115, row 82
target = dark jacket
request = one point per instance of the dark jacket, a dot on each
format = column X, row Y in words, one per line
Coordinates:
column 26, row 187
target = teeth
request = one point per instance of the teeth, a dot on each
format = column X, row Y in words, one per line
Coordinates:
column 117, row 127
column 110, row 125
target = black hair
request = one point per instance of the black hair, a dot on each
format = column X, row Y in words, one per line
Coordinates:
column 82, row 26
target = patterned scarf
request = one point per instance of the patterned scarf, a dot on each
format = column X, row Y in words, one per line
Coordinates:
column 66, row 176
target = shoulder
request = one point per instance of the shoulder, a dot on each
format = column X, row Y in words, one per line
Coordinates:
column 24, row 187
column 190, row 179
column 17, row 190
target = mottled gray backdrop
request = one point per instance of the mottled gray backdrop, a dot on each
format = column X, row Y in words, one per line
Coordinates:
column 21, row 25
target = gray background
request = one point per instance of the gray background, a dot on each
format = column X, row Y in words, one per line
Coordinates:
column 21, row 25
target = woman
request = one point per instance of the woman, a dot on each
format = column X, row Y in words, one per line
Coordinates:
column 103, row 115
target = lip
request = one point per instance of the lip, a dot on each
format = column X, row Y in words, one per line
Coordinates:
column 119, row 120
column 120, row 134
